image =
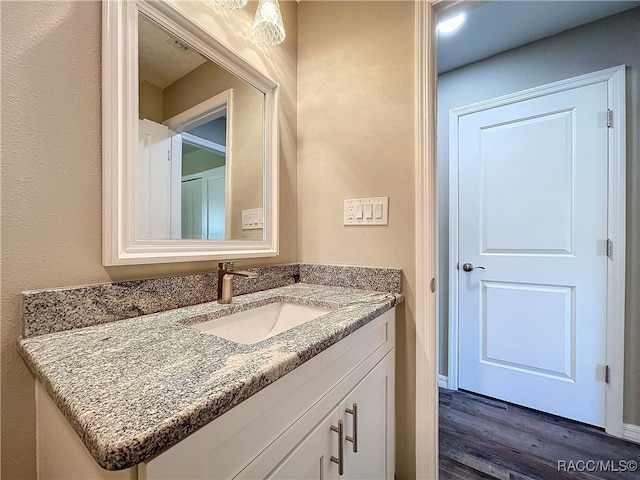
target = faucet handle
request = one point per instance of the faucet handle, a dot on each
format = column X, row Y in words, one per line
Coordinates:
column 227, row 268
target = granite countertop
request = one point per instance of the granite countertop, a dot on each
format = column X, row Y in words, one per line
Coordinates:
column 132, row 388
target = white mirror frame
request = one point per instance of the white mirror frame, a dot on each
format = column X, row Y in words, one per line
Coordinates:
column 120, row 140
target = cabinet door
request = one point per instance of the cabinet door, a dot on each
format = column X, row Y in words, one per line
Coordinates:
column 369, row 415
column 311, row 459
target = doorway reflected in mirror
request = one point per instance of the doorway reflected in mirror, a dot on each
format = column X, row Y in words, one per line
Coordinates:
column 188, row 107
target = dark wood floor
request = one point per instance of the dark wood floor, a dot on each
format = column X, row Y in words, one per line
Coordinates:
column 482, row 438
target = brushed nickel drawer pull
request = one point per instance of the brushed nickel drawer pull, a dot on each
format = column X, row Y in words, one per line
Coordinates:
column 340, row 460
column 354, row 411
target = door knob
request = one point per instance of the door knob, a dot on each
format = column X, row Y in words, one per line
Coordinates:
column 468, row 267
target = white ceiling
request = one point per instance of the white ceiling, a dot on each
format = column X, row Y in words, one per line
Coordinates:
column 163, row 58
column 497, row 26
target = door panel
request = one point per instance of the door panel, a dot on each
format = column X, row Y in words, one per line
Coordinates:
column 518, row 318
column 540, row 191
column 533, row 213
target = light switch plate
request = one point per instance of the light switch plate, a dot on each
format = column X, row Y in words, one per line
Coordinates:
column 366, row 211
column 252, row 219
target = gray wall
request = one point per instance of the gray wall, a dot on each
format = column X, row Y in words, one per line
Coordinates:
column 606, row 43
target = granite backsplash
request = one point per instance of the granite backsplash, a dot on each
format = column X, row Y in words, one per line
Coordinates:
column 59, row 309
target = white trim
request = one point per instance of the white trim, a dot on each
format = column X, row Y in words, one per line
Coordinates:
column 211, row 109
column 213, row 172
column 617, row 229
column 176, row 187
column 631, row 432
column 615, row 78
column 120, row 114
column 426, row 438
column 443, row 381
column 560, row 86
column 203, row 143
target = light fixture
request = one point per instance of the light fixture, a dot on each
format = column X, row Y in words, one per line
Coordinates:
column 233, row 4
column 451, row 24
column 267, row 28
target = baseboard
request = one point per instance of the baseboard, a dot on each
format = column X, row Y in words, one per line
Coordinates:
column 631, row 432
column 443, row 381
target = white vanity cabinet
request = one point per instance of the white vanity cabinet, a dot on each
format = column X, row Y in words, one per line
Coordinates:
column 366, row 432
column 311, row 459
column 282, row 432
column 370, row 454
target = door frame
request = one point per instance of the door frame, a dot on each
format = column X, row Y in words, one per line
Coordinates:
column 616, row 228
column 426, row 242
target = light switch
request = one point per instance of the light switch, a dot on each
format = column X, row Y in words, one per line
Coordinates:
column 252, row 219
column 366, row 211
column 378, row 210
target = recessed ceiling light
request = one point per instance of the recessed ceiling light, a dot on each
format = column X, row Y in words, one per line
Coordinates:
column 451, row 24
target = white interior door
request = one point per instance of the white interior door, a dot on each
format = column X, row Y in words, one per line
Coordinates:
column 153, row 201
column 203, row 204
column 532, row 210
column 192, row 214
column 214, row 202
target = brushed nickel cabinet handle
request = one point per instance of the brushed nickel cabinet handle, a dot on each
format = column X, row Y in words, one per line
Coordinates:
column 340, row 460
column 354, row 411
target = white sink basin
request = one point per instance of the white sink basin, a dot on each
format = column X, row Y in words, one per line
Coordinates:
column 253, row 326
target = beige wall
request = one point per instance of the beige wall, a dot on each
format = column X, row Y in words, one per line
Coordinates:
column 356, row 139
column 51, row 171
column 150, row 102
column 356, row 122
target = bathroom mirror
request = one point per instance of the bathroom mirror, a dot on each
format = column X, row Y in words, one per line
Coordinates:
column 190, row 140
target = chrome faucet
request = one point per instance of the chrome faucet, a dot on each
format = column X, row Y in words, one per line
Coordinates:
column 225, row 280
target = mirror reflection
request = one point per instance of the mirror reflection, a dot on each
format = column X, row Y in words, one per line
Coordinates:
column 200, row 164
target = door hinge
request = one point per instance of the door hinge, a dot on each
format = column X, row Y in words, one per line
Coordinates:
column 610, row 118
column 609, row 248
column 432, row 285
column 607, row 374
column 168, row 155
